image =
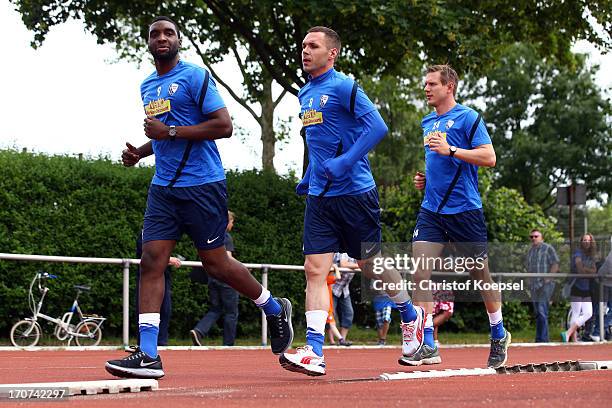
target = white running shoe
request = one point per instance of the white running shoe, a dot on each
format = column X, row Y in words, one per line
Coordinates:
column 304, row 361
column 412, row 333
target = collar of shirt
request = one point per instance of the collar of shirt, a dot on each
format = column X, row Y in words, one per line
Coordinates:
column 321, row 77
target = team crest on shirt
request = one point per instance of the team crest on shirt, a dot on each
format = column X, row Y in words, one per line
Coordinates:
column 450, row 124
column 323, row 100
column 157, row 107
column 173, row 88
column 312, row 117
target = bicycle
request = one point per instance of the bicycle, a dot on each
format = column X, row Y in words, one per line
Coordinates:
column 27, row 332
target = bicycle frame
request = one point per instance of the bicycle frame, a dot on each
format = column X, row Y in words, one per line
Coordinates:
column 64, row 322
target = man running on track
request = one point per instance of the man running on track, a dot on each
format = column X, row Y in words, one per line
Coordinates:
column 185, row 115
column 456, row 142
column 342, row 211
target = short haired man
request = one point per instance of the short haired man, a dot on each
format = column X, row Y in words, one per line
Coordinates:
column 342, row 211
column 541, row 258
column 456, row 143
column 185, row 115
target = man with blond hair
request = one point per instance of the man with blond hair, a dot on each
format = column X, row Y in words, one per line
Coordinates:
column 456, row 143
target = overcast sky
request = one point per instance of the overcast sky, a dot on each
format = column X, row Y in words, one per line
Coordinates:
column 68, row 98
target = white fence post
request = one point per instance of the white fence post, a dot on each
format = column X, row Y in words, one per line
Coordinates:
column 264, row 322
column 126, row 302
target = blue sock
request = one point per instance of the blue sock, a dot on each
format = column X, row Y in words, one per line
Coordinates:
column 498, row 331
column 271, row 307
column 407, row 311
column 429, row 338
column 315, row 340
column 148, row 339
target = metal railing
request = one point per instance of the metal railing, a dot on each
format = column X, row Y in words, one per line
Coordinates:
column 265, row 268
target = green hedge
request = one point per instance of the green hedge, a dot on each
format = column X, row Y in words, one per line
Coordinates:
column 65, row 206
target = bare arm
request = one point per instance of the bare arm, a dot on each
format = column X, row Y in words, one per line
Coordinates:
column 554, row 268
column 132, row 155
column 483, row 155
column 218, row 126
column 145, row 150
column 347, row 264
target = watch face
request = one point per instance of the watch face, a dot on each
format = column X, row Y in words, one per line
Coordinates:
column 172, row 131
column 453, row 149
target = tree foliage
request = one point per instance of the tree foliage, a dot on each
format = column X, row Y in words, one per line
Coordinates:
column 550, row 124
column 377, row 35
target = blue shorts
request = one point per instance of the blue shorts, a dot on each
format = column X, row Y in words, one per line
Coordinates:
column 343, row 224
column 200, row 211
column 467, row 229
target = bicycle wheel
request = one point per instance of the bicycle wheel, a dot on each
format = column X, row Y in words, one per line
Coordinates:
column 88, row 333
column 25, row 333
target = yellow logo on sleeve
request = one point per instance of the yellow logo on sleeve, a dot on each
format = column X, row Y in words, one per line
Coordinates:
column 312, row 117
column 432, row 134
column 157, row 107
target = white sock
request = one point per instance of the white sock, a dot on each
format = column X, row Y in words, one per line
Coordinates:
column 401, row 297
column 316, row 319
column 149, row 318
column 263, row 298
column 495, row 317
column 429, row 321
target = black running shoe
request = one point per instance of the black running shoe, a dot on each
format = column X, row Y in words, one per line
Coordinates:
column 196, row 337
column 499, row 351
column 136, row 365
column 280, row 327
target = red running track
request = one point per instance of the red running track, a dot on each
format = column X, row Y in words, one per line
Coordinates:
column 253, row 378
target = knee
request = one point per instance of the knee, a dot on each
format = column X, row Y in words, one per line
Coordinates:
column 219, row 268
column 421, row 275
column 315, row 272
column 151, row 262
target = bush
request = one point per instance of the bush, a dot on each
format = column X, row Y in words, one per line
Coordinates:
column 94, row 208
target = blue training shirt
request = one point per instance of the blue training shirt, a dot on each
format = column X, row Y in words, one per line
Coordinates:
column 174, row 98
column 325, row 109
column 455, row 126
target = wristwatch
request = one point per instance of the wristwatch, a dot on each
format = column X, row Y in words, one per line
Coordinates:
column 452, row 150
column 172, row 133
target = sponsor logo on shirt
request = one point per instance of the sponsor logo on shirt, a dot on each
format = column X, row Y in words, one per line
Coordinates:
column 432, row 134
column 157, row 107
column 312, row 117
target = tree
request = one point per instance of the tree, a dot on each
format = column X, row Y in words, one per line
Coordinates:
column 549, row 123
column 379, row 36
column 400, row 153
column 600, row 221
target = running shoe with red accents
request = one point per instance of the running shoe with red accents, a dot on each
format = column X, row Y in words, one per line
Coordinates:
column 412, row 333
column 304, row 361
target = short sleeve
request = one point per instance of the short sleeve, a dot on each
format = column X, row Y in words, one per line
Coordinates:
column 212, row 100
column 481, row 136
column 553, row 258
column 354, row 99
